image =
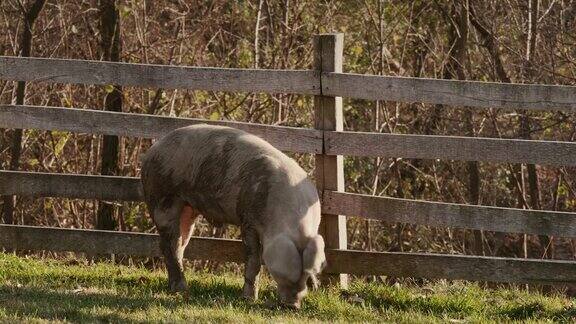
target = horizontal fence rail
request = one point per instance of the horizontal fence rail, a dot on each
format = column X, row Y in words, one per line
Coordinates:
column 450, row 148
column 296, row 139
column 417, row 265
column 158, row 76
column 370, row 87
column 36, row 184
column 113, row 242
column 291, row 139
column 396, row 210
column 456, row 267
column 450, row 92
column 387, row 209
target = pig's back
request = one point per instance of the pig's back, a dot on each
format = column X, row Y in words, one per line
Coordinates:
column 222, row 172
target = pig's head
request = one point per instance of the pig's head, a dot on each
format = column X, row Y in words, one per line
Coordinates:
column 292, row 269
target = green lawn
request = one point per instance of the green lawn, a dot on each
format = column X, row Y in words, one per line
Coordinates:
column 32, row 289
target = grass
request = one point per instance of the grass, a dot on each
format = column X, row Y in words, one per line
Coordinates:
column 39, row 290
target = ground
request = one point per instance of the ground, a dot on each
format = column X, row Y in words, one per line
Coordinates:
column 37, row 290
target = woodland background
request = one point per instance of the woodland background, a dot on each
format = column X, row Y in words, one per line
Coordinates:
column 521, row 41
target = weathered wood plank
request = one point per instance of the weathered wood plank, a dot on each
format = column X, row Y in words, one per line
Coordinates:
column 457, row 267
column 396, row 210
column 108, row 242
column 37, row 184
column 328, row 116
column 450, row 92
column 450, row 148
column 158, row 76
column 291, row 139
column 417, row 265
column 387, row 209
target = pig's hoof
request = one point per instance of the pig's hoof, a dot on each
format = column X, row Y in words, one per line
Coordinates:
column 178, row 286
column 250, row 293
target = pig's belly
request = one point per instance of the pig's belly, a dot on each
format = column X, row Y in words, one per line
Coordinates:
column 218, row 210
column 217, row 218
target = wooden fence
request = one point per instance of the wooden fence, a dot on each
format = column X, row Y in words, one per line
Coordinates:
column 327, row 141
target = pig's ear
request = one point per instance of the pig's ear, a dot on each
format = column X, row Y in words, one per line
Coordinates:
column 282, row 259
column 314, row 259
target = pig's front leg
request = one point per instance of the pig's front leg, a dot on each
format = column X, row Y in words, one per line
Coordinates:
column 253, row 262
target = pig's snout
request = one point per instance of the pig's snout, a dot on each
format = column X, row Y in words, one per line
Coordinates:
column 292, row 297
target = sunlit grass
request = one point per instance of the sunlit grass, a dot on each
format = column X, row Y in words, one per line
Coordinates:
column 48, row 290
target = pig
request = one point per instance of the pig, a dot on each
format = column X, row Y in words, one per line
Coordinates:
column 232, row 177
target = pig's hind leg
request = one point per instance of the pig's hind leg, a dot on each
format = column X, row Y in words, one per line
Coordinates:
column 174, row 220
column 253, row 261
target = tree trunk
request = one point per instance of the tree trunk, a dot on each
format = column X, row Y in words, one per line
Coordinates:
column 111, row 47
column 16, row 149
column 525, row 121
column 516, row 177
column 459, row 32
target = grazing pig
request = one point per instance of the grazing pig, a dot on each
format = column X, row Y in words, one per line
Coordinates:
column 230, row 176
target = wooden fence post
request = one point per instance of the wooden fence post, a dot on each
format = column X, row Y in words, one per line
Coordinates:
column 330, row 169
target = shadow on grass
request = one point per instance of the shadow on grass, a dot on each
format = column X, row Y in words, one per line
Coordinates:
column 463, row 305
column 536, row 310
column 456, row 306
column 60, row 305
column 567, row 315
column 93, row 305
column 524, row 312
